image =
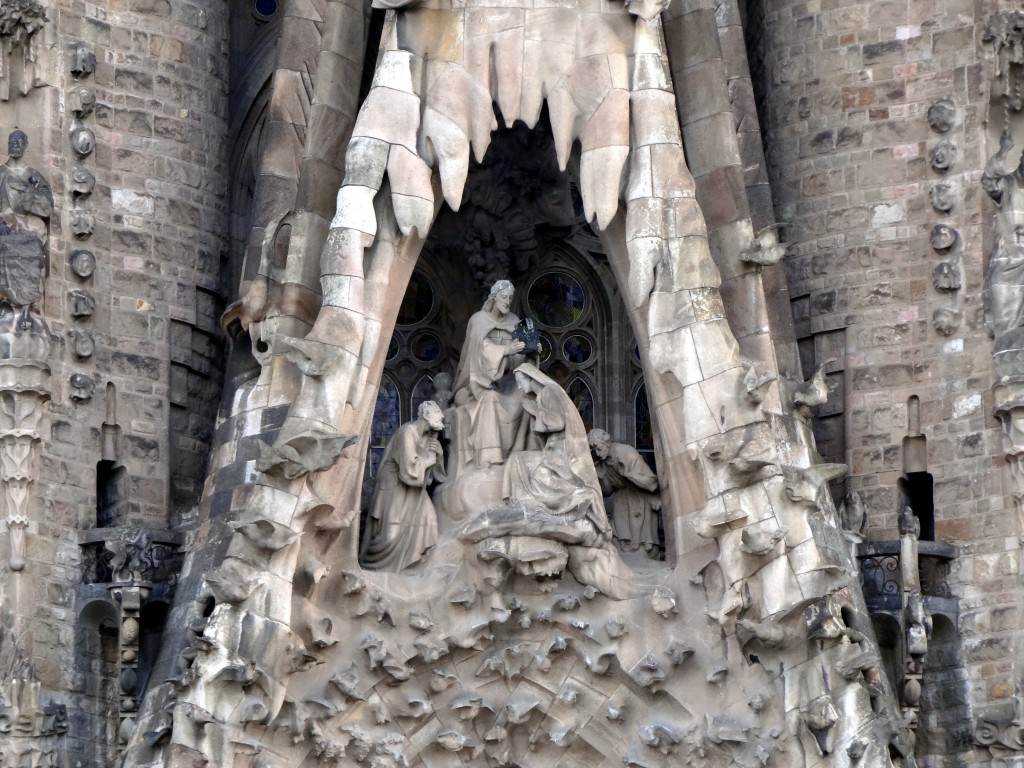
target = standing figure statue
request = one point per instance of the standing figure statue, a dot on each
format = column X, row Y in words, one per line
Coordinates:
column 402, row 524
column 489, row 404
column 633, row 488
column 26, row 201
column 26, row 204
column 1004, row 280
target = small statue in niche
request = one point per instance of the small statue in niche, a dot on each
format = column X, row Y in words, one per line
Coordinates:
column 1003, row 295
column 634, row 503
column 402, row 524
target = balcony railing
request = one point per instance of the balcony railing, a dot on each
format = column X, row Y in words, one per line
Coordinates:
column 882, row 580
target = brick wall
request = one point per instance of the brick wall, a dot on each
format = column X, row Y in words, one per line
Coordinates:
column 846, row 89
column 160, row 214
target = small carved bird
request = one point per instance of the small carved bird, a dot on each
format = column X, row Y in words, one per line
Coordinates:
column 431, row 648
column 441, row 681
column 756, row 386
column 678, row 652
column 420, row 621
column 663, row 602
column 266, row 534
column 615, row 713
column 416, row 706
column 657, row 736
column 452, row 741
column 347, row 681
column 815, row 389
column 519, row 709
column 229, row 585
column 759, row 541
column 467, row 705
column 770, row 633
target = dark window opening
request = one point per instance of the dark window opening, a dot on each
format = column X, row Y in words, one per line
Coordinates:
column 152, row 620
column 918, row 489
column 110, row 493
column 264, row 10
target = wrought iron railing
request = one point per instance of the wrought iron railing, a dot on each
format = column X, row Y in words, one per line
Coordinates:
column 881, row 576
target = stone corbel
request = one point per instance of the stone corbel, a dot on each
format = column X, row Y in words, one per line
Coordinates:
column 16, row 527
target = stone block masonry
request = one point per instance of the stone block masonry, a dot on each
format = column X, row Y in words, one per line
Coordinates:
column 847, row 88
column 139, row 329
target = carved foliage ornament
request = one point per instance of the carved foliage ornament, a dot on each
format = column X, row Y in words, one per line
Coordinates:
column 1005, row 33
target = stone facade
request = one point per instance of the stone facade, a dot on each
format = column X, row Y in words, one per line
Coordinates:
column 194, row 373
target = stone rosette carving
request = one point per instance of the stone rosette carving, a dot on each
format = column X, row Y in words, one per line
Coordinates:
column 941, row 115
column 943, row 237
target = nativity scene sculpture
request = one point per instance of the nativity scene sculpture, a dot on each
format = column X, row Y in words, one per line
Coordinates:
column 523, row 637
column 529, row 500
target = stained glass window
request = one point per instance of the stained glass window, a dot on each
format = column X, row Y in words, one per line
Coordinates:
column 644, row 425
column 577, row 349
column 417, row 302
column 423, row 391
column 581, row 396
column 387, row 417
column 264, row 9
column 556, row 300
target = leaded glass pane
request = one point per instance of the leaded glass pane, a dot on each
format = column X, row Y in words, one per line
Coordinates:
column 556, row 300
column 583, row 399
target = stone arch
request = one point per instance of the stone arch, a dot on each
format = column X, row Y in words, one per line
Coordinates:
column 96, row 655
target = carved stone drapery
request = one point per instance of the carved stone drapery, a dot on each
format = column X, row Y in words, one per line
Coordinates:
column 31, row 730
column 20, row 24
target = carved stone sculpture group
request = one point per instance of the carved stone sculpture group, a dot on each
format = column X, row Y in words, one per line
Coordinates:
column 490, row 612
